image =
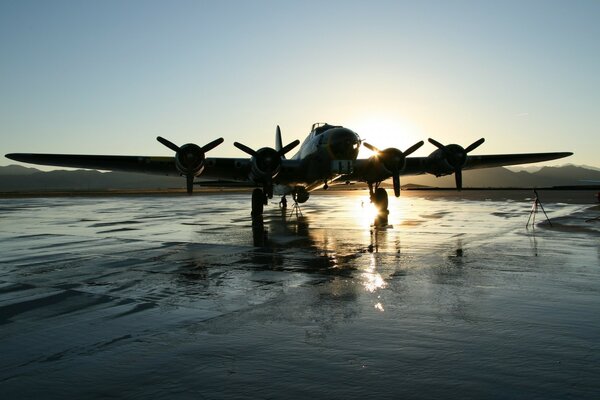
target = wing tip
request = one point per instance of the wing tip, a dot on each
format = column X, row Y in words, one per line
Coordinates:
column 12, row 156
column 564, row 154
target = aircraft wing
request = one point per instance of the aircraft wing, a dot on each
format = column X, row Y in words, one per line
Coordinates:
column 225, row 171
column 143, row 164
column 500, row 160
column 366, row 170
column 420, row 165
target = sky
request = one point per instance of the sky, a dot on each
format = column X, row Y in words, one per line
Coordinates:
column 107, row 77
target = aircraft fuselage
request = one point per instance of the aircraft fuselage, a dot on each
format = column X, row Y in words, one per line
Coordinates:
column 326, row 154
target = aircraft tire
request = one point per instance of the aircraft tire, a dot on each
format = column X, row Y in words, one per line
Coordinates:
column 258, row 199
column 381, row 199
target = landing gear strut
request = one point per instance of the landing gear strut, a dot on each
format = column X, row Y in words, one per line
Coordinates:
column 268, row 193
column 379, row 197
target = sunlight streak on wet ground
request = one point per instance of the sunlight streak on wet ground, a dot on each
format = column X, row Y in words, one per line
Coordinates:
column 180, row 297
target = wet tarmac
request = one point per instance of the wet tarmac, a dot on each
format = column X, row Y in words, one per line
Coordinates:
column 141, row 297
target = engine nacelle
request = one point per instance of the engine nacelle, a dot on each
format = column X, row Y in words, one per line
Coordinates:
column 451, row 158
column 438, row 164
column 375, row 170
column 266, row 164
column 189, row 159
column 300, row 194
column 393, row 159
column 382, row 166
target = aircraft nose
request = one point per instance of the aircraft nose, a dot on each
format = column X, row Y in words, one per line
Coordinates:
column 344, row 145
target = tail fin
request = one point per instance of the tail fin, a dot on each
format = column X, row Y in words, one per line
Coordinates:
column 278, row 141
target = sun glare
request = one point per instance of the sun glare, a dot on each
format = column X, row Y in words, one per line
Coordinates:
column 365, row 211
column 383, row 132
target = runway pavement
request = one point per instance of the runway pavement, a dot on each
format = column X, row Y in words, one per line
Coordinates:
column 179, row 297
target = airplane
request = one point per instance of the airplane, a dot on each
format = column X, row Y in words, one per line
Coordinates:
column 327, row 156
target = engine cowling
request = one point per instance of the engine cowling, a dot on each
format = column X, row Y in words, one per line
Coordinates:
column 438, row 165
column 375, row 170
column 190, row 159
column 450, row 158
column 266, row 164
column 389, row 162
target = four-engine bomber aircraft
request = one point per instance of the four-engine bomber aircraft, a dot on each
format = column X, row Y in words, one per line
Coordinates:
column 328, row 155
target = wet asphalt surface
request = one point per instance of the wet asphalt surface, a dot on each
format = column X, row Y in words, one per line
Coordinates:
column 131, row 297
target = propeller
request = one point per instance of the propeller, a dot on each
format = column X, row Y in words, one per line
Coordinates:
column 394, row 161
column 456, row 156
column 189, row 158
column 266, row 161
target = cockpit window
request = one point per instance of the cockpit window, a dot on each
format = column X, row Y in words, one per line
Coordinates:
column 325, row 127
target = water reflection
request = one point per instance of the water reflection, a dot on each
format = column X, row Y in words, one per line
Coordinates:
column 350, row 264
column 372, row 280
column 259, row 232
column 533, row 243
column 342, row 266
column 457, row 258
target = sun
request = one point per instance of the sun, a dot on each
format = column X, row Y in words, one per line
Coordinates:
column 383, row 132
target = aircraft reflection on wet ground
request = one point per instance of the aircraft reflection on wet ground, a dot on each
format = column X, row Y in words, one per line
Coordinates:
column 135, row 297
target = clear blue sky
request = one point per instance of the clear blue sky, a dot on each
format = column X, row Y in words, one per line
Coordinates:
column 107, row 77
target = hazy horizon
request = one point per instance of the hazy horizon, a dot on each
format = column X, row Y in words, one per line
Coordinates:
column 108, row 77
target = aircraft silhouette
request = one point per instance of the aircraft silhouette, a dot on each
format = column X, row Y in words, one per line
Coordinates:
column 327, row 156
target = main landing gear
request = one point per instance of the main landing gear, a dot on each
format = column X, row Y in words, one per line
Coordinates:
column 260, row 199
column 379, row 197
column 258, row 202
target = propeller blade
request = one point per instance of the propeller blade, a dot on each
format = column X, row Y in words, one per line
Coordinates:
column 458, row 178
column 436, row 143
column 288, row 147
column 371, row 147
column 189, row 183
column 208, row 147
column 167, row 143
column 244, row 148
column 413, row 148
column 441, row 147
column 474, row 145
column 396, row 185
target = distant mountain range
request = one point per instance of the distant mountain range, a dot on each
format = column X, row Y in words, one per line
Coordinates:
column 15, row 178
column 567, row 175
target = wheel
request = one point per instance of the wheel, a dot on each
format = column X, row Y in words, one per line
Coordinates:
column 381, row 199
column 258, row 199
